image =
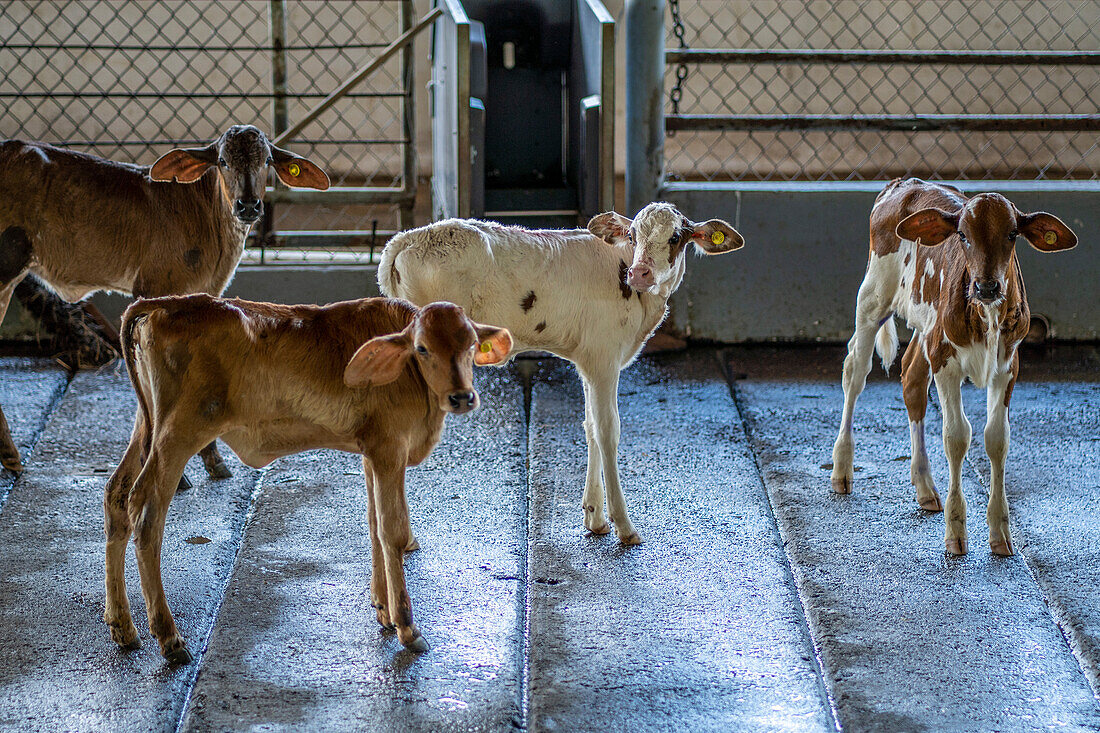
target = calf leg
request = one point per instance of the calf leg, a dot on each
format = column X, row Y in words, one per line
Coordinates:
column 14, row 255
column 593, row 500
column 149, row 502
column 956, row 441
column 378, row 590
column 213, row 462
column 915, row 378
column 605, row 411
column 392, row 529
column 870, row 316
column 117, row 527
column 997, row 431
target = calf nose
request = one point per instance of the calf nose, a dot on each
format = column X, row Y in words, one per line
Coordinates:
column 987, row 290
column 248, row 210
column 463, row 401
column 639, row 276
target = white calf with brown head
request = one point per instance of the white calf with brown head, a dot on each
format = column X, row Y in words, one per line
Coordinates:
column 946, row 263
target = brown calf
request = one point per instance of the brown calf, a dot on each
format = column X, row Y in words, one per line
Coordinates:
column 373, row 376
column 946, row 262
column 82, row 223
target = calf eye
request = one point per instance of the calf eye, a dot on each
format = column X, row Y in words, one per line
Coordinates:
column 270, row 161
column 222, row 163
column 1012, row 235
column 675, row 238
column 421, row 350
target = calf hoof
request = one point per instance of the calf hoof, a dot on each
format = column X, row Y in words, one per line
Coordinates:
column 413, row 545
column 219, row 470
column 175, row 651
column 842, row 484
column 595, row 522
column 956, row 547
column 930, row 503
column 184, row 484
column 631, row 539
column 1001, row 547
column 418, row 645
column 125, row 637
column 12, row 462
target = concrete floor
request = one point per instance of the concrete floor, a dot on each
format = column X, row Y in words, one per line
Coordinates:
column 759, row 601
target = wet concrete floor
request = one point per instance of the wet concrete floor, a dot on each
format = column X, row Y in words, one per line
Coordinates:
column 758, row 601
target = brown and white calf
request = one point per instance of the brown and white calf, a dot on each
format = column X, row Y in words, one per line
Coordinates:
column 592, row 296
column 373, row 376
column 81, row 223
column 946, row 262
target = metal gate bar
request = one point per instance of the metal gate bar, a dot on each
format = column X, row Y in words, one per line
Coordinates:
column 903, row 123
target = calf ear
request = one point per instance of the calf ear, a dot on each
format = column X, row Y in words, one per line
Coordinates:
column 379, row 361
column 716, row 237
column 610, row 227
column 184, row 165
column 1046, row 232
column 928, row 226
column 296, row 171
column 493, row 344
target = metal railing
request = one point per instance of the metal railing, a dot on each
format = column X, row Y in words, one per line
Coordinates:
column 839, row 90
column 129, row 80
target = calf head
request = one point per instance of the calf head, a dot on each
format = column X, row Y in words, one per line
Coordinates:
column 660, row 235
column 987, row 227
column 242, row 155
column 443, row 344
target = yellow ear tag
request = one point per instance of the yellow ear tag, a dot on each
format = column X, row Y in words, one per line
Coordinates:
column 717, row 237
column 1050, row 237
column 485, row 347
column 293, row 169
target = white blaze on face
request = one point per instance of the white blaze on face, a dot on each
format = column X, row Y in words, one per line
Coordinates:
column 653, row 228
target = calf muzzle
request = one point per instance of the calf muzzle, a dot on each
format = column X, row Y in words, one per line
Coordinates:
column 248, row 211
column 640, row 277
column 987, row 291
column 462, row 401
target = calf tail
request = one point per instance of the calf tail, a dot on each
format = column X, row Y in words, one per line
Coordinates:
column 389, row 279
column 133, row 316
column 886, row 342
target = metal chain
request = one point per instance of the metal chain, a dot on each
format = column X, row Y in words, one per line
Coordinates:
column 677, row 92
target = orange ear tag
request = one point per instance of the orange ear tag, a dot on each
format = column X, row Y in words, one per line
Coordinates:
column 717, row 237
column 485, row 347
column 1050, row 237
column 293, row 169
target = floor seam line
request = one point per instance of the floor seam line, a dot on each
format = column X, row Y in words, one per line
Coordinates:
column 524, row 584
column 804, row 619
column 51, row 410
column 253, row 499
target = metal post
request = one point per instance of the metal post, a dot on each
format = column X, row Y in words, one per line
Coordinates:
column 408, row 127
column 645, row 120
column 279, row 116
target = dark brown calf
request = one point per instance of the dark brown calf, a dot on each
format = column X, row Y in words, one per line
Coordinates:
column 946, row 262
column 82, row 223
column 373, row 376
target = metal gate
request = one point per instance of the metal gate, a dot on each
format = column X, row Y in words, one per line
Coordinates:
column 791, row 115
column 130, row 80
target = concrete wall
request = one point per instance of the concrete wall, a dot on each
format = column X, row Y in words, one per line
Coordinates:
column 806, row 249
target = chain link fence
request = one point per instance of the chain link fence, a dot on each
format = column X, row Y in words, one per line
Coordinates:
column 1015, row 85
column 130, row 80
